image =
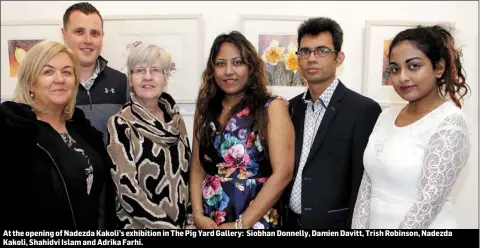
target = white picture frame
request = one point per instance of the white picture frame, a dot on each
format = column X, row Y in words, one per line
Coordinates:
column 19, row 36
column 181, row 36
column 255, row 26
column 377, row 36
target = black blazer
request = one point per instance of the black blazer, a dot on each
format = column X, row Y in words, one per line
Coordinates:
column 334, row 168
column 38, row 194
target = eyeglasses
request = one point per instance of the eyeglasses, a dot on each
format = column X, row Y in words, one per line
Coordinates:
column 153, row 71
column 319, row 52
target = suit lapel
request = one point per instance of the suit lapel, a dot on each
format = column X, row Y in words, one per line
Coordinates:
column 332, row 110
column 298, row 115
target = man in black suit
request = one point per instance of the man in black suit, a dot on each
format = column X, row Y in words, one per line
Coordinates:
column 332, row 126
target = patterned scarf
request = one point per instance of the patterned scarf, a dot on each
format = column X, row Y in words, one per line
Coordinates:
column 160, row 159
column 147, row 125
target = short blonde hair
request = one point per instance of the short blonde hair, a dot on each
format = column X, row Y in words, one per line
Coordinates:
column 31, row 66
column 145, row 53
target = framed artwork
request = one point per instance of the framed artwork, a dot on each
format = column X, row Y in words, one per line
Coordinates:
column 275, row 38
column 16, row 40
column 377, row 83
column 180, row 35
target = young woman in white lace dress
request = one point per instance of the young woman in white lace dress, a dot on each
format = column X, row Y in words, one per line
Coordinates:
column 416, row 152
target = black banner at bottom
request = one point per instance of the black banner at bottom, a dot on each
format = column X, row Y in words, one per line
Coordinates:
column 153, row 237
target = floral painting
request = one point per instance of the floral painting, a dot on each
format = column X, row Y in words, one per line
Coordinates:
column 281, row 65
column 386, row 79
column 172, row 69
column 17, row 49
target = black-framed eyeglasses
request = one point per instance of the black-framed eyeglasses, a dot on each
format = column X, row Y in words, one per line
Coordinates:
column 319, row 52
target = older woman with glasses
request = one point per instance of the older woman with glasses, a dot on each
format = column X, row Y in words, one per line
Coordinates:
column 149, row 146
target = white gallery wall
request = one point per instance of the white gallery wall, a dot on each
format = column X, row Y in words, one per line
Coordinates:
column 221, row 17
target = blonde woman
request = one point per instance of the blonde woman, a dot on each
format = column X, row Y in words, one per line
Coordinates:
column 55, row 164
column 149, row 146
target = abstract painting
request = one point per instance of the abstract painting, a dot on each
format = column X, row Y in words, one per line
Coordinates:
column 278, row 54
column 386, row 79
column 17, row 49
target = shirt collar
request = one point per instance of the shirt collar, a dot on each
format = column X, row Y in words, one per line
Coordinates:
column 326, row 96
column 97, row 69
column 95, row 72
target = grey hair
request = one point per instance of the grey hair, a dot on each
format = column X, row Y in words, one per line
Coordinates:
column 145, row 53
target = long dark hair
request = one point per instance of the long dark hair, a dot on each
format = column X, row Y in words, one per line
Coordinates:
column 437, row 43
column 210, row 96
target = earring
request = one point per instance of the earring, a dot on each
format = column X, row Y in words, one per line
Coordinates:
column 32, row 95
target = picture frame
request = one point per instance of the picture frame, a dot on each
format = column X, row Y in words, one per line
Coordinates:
column 279, row 32
column 181, row 36
column 376, row 80
column 16, row 39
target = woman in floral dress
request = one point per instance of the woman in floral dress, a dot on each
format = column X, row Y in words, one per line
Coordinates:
column 243, row 152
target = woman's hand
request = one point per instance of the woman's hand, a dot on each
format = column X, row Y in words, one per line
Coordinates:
column 228, row 225
column 204, row 222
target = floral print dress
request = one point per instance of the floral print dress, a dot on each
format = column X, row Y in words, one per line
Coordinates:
column 236, row 167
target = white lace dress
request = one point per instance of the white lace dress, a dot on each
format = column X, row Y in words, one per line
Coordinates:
column 410, row 171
